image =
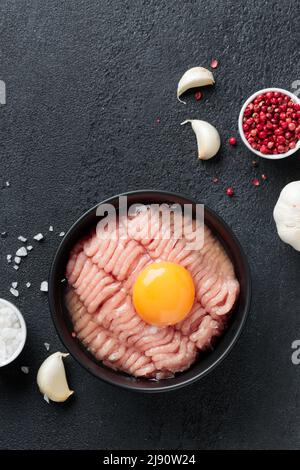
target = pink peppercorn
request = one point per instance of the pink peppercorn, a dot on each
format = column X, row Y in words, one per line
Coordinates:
column 271, row 123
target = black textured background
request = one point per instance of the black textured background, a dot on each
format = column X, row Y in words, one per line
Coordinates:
column 86, row 82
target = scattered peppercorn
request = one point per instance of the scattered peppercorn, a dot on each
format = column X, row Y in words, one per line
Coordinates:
column 230, row 191
column 232, row 140
column 198, row 95
column 255, row 182
column 214, row 63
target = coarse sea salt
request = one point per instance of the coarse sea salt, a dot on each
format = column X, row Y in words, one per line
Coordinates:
column 38, row 237
column 22, row 239
column 11, row 334
column 21, row 251
column 44, row 286
column 14, row 292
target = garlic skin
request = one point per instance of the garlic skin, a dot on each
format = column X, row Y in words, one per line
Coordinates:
column 287, row 215
column 208, row 138
column 51, row 378
column 192, row 78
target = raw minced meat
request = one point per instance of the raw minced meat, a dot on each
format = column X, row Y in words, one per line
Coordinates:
column 101, row 272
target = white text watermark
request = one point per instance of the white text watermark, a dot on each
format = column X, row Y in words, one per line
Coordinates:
column 143, row 222
column 296, row 88
column 2, row 93
column 295, row 357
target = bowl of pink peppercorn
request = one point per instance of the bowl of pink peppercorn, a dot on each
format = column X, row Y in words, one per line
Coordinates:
column 269, row 123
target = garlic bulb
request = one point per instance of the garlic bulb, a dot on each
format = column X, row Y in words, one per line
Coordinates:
column 287, row 214
column 208, row 138
column 194, row 77
column 51, row 378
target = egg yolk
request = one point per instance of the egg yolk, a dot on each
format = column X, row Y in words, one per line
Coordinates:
column 163, row 293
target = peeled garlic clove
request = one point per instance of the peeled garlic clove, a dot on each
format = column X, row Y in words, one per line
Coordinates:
column 192, row 78
column 51, row 378
column 208, row 138
column 287, row 215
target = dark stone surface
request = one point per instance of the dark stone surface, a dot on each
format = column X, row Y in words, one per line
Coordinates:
column 86, row 81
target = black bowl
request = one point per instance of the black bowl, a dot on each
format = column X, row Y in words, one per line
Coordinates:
column 206, row 362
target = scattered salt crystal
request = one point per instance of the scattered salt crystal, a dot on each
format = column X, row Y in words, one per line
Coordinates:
column 21, row 251
column 16, row 267
column 46, row 398
column 9, row 257
column 22, row 239
column 14, row 285
column 44, row 286
column 3, row 234
column 25, row 369
column 62, row 234
column 28, row 284
column 18, row 260
column 47, row 346
column 38, row 237
column 51, row 228
column 7, row 183
column 29, row 247
column 14, row 292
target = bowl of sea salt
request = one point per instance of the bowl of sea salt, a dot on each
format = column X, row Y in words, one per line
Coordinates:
column 12, row 332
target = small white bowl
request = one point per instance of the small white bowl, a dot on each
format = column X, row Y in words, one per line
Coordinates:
column 241, row 131
column 6, row 303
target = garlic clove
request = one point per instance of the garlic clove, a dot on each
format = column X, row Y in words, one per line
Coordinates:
column 208, row 138
column 287, row 215
column 192, row 78
column 51, row 378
